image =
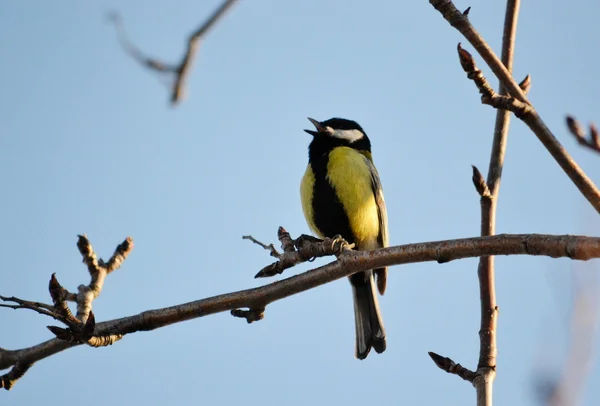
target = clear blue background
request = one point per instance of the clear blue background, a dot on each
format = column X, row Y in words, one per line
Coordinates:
column 88, row 144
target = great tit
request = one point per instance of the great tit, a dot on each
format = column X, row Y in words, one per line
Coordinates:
column 342, row 195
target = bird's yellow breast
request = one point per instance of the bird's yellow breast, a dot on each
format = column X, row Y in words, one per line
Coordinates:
column 306, row 195
column 348, row 172
column 350, row 176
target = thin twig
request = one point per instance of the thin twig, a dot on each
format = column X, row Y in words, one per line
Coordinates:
column 134, row 51
column 181, row 70
column 532, row 119
column 37, row 307
column 271, row 248
column 592, row 141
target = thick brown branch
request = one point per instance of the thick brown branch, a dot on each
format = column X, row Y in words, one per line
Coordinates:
column 532, row 119
column 182, row 69
column 348, row 262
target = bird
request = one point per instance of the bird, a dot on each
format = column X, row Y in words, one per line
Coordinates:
column 341, row 194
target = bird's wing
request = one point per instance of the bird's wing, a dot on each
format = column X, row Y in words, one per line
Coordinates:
column 382, row 238
column 381, row 209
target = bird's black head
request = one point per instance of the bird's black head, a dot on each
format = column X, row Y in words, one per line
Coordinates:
column 337, row 132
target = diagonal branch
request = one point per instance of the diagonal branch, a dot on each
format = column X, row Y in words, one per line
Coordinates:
column 181, row 70
column 348, row 263
column 531, row 118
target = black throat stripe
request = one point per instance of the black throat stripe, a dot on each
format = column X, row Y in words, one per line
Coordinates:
column 329, row 214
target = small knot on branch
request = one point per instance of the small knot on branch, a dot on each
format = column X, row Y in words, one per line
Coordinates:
column 104, row 341
column 76, row 331
column 466, row 59
column 87, row 252
column 304, row 248
column 488, row 94
column 19, row 369
column 451, row 367
column 525, row 84
column 287, row 244
column 59, row 296
column 480, row 184
column 250, row 315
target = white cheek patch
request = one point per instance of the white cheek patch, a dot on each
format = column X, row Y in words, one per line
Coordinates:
column 348, row 135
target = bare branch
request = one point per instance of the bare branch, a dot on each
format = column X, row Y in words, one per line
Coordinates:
column 250, row 315
column 348, row 263
column 489, row 95
column 486, row 366
column 271, row 248
column 308, row 248
column 483, row 378
column 98, row 270
column 81, row 328
column 135, row 52
column 121, row 253
column 592, row 141
column 181, row 70
column 38, row 307
column 530, row 117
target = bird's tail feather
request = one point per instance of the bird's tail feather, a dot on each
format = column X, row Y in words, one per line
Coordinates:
column 370, row 332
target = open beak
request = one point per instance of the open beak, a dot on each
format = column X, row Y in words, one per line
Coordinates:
column 318, row 126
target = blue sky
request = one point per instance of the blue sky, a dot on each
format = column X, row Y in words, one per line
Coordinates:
column 88, row 144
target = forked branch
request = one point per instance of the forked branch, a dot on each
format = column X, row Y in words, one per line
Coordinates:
column 182, row 69
column 529, row 115
column 80, row 328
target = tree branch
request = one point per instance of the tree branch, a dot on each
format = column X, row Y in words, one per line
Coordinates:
column 530, row 116
column 80, row 329
column 483, row 378
column 592, row 142
column 181, row 71
column 348, row 263
column 486, row 367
